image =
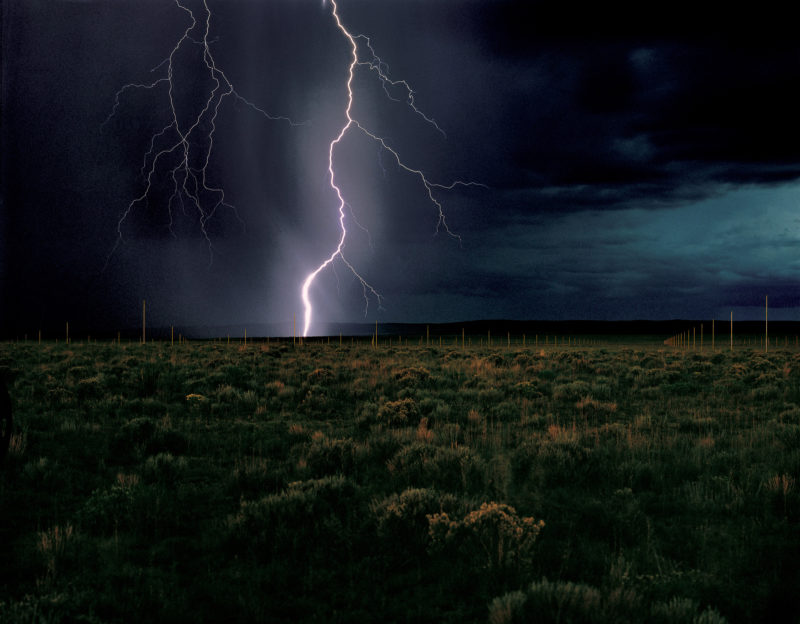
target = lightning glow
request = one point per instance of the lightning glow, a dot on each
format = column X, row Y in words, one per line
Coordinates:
column 373, row 63
column 181, row 150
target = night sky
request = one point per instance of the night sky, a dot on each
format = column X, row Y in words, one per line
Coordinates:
column 640, row 161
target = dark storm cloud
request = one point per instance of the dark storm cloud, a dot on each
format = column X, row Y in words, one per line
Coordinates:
column 636, row 104
column 641, row 159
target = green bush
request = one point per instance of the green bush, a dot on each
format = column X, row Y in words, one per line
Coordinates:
column 454, row 469
column 412, row 376
column 108, row 511
column 254, row 478
column 141, row 437
column 493, row 537
column 132, row 440
column 506, row 411
column 572, row 391
column 163, row 469
column 400, row 413
column 296, row 521
column 563, row 602
column 44, row 475
column 326, row 456
column 402, row 519
column 508, row 608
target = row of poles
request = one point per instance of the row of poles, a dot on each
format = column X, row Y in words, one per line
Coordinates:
column 297, row 340
column 685, row 339
column 688, row 339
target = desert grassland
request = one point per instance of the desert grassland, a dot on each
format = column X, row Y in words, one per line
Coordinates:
column 213, row 482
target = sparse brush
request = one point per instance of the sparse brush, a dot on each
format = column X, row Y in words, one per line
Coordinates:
column 295, row 480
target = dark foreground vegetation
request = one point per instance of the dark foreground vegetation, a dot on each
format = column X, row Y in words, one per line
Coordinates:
column 212, row 482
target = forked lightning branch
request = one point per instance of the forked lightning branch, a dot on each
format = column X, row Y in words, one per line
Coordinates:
column 363, row 57
column 181, row 150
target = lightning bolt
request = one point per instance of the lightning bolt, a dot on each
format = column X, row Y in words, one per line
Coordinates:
column 182, row 149
column 372, row 62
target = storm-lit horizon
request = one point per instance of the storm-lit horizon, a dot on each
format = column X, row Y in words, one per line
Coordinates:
column 635, row 165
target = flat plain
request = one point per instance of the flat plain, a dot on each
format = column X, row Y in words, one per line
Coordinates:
column 276, row 482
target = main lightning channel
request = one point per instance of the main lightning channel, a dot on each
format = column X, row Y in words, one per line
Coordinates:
column 379, row 67
column 190, row 143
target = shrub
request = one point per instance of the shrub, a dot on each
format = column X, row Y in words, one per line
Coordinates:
column 44, row 475
column 400, row 413
column 493, row 537
column 320, row 376
column 529, row 390
column 132, row 440
column 578, row 603
column 547, row 374
column 90, row 387
column 447, row 468
column 564, row 461
column 44, row 608
column 141, row 437
column 506, row 411
column 326, row 456
column 402, row 519
column 257, row 476
column 163, row 469
column 789, row 435
column 317, row 403
column 296, row 521
column 412, row 376
column 108, row 510
column 572, row 391
column 508, row 608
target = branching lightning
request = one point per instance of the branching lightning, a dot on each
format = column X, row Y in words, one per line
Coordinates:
column 182, row 149
column 372, row 62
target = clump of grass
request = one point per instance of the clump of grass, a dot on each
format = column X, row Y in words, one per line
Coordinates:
column 53, row 545
column 424, row 434
column 589, row 405
column 17, row 444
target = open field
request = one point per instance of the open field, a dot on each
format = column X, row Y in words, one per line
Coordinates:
column 210, row 482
